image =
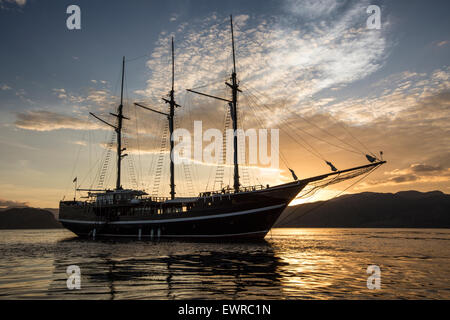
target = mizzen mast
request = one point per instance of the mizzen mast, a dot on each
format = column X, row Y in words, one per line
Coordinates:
column 234, row 85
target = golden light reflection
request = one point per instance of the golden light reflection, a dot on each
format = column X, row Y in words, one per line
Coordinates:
column 304, row 270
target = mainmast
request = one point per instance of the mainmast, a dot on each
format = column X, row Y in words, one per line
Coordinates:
column 118, row 129
column 170, row 116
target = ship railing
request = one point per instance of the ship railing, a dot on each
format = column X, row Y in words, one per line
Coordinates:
column 155, row 199
column 105, row 203
column 228, row 191
column 78, row 203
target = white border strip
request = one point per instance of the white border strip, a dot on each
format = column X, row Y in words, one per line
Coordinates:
column 215, row 216
column 186, row 235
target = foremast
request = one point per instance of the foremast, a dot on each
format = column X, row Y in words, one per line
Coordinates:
column 170, row 116
column 120, row 118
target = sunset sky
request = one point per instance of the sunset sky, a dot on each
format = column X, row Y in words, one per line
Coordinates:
column 310, row 68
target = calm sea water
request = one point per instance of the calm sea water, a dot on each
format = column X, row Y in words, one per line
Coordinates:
column 289, row 264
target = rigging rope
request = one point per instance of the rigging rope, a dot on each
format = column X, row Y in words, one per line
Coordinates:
column 304, row 131
column 367, row 173
column 259, row 45
column 74, row 166
column 311, row 149
column 283, row 157
column 133, row 175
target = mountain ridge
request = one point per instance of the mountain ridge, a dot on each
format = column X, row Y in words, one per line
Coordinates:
column 404, row 209
column 28, row 218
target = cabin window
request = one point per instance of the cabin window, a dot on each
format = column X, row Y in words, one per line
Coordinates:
column 184, row 209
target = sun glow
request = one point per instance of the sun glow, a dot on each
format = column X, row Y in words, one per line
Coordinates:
column 321, row 195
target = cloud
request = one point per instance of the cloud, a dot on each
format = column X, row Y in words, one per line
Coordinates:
column 312, row 9
column 417, row 173
column 397, row 96
column 48, row 121
column 5, row 87
column 61, row 93
column 416, row 142
column 22, row 94
column 6, row 3
column 425, row 168
column 80, row 143
column 11, row 203
column 279, row 56
column 16, row 144
column 442, row 43
column 418, row 170
column 100, row 97
column 99, row 101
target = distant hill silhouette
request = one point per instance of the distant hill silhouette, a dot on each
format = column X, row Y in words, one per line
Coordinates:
column 27, row 218
column 408, row 209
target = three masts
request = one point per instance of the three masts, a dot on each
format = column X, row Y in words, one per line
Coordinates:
column 233, row 103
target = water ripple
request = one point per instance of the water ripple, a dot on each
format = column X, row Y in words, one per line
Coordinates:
column 290, row 264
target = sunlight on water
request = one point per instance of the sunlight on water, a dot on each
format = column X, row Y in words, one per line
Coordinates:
column 289, row 264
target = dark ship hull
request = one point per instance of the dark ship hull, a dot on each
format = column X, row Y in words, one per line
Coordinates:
column 244, row 215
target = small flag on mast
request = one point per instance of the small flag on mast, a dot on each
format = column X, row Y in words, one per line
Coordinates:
column 75, row 180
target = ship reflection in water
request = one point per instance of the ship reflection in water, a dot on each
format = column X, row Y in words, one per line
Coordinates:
column 173, row 270
column 289, row 264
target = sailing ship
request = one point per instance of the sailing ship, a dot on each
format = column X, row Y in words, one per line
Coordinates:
column 228, row 214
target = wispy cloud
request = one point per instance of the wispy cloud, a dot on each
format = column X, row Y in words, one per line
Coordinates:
column 5, row 4
column 283, row 57
column 48, row 121
column 100, row 101
column 312, row 9
column 18, row 2
column 415, row 173
column 16, row 144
